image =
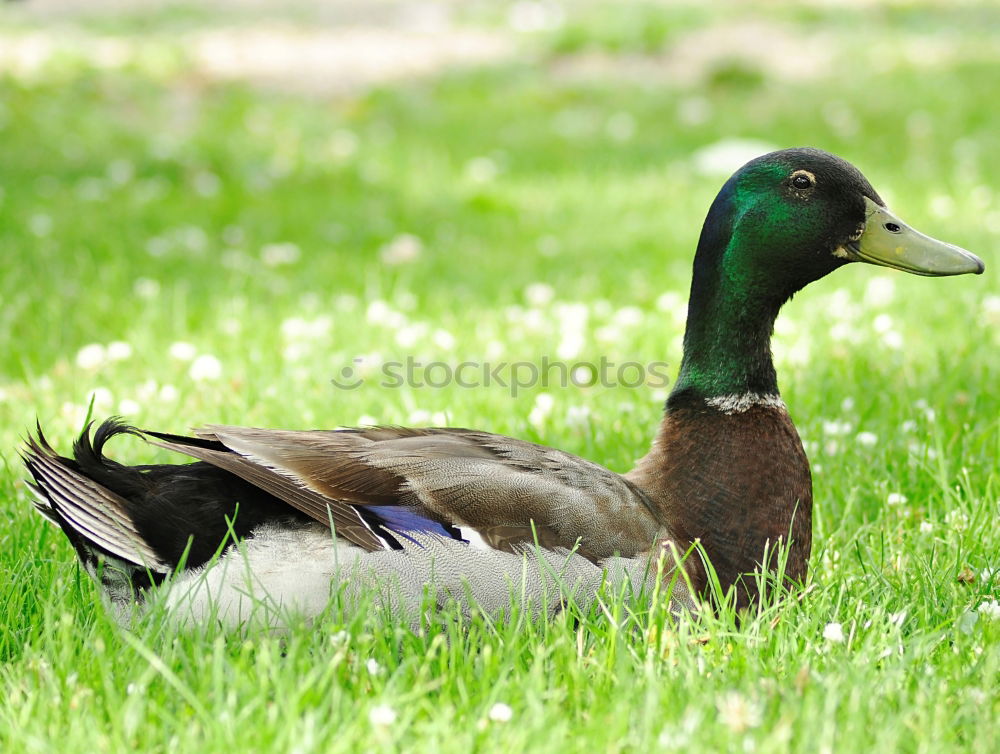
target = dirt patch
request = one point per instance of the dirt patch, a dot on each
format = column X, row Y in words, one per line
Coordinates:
column 771, row 49
column 339, row 61
column 332, row 61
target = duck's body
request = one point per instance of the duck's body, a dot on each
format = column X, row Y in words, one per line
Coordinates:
column 481, row 518
column 449, row 514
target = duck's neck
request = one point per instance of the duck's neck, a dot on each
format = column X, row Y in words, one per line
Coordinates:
column 727, row 343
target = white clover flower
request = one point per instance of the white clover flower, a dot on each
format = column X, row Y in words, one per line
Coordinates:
column 544, row 402
column 382, row 716
column 957, row 520
column 276, row 254
column 75, row 415
column 570, row 345
column 880, row 291
column 539, row 294
column 380, row 313
column 578, row 416
column 128, row 407
column 942, row 206
column 410, row 335
column 843, row 331
column 205, row 367
column 926, row 527
column 629, row 316
column 572, row 316
column 990, row 610
column 146, row 288
column 834, row 633
column 299, row 328
column 836, row 428
column 193, row 238
column 102, row 398
column 727, row 155
column 343, row 143
column 373, row 667
column 206, row 183
column 620, row 126
column 967, row 621
column 548, row 245
column 182, row 351
column 419, row 416
column 693, row 111
column 541, row 410
column 157, row 247
column 896, row 498
column 404, row 248
column 481, row 170
column 737, row 712
column 608, row 334
column 40, row 224
column 295, row 352
column 882, row 324
column 443, row 339
column 340, row 638
column 119, row 350
column 929, row 413
column 501, row 713
column 147, row 390
column 893, row 340
column 671, row 301
column 120, row 172
column 91, row 356
column 867, row 439
column 991, row 308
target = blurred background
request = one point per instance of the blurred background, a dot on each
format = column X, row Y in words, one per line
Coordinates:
column 208, row 210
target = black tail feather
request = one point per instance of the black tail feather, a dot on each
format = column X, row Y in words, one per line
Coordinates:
column 151, row 516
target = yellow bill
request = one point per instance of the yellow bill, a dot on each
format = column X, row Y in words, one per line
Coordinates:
column 889, row 242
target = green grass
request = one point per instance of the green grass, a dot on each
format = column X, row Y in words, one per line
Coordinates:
column 135, row 206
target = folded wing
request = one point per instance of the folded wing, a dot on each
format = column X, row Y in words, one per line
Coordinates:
column 377, row 483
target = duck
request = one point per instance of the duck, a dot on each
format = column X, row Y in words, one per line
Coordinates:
column 284, row 521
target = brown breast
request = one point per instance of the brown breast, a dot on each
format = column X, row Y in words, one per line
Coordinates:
column 738, row 482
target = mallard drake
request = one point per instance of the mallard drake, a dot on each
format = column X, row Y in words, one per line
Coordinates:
column 288, row 517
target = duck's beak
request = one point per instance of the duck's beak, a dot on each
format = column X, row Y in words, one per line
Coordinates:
column 888, row 241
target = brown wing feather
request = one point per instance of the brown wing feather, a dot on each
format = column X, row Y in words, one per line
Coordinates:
column 508, row 490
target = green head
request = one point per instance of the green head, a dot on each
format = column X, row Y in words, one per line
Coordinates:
column 780, row 222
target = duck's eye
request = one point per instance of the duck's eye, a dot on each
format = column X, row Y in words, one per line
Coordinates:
column 802, row 181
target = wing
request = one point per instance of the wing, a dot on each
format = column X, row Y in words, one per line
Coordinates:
column 507, row 491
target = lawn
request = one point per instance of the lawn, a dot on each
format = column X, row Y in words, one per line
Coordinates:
column 181, row 250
